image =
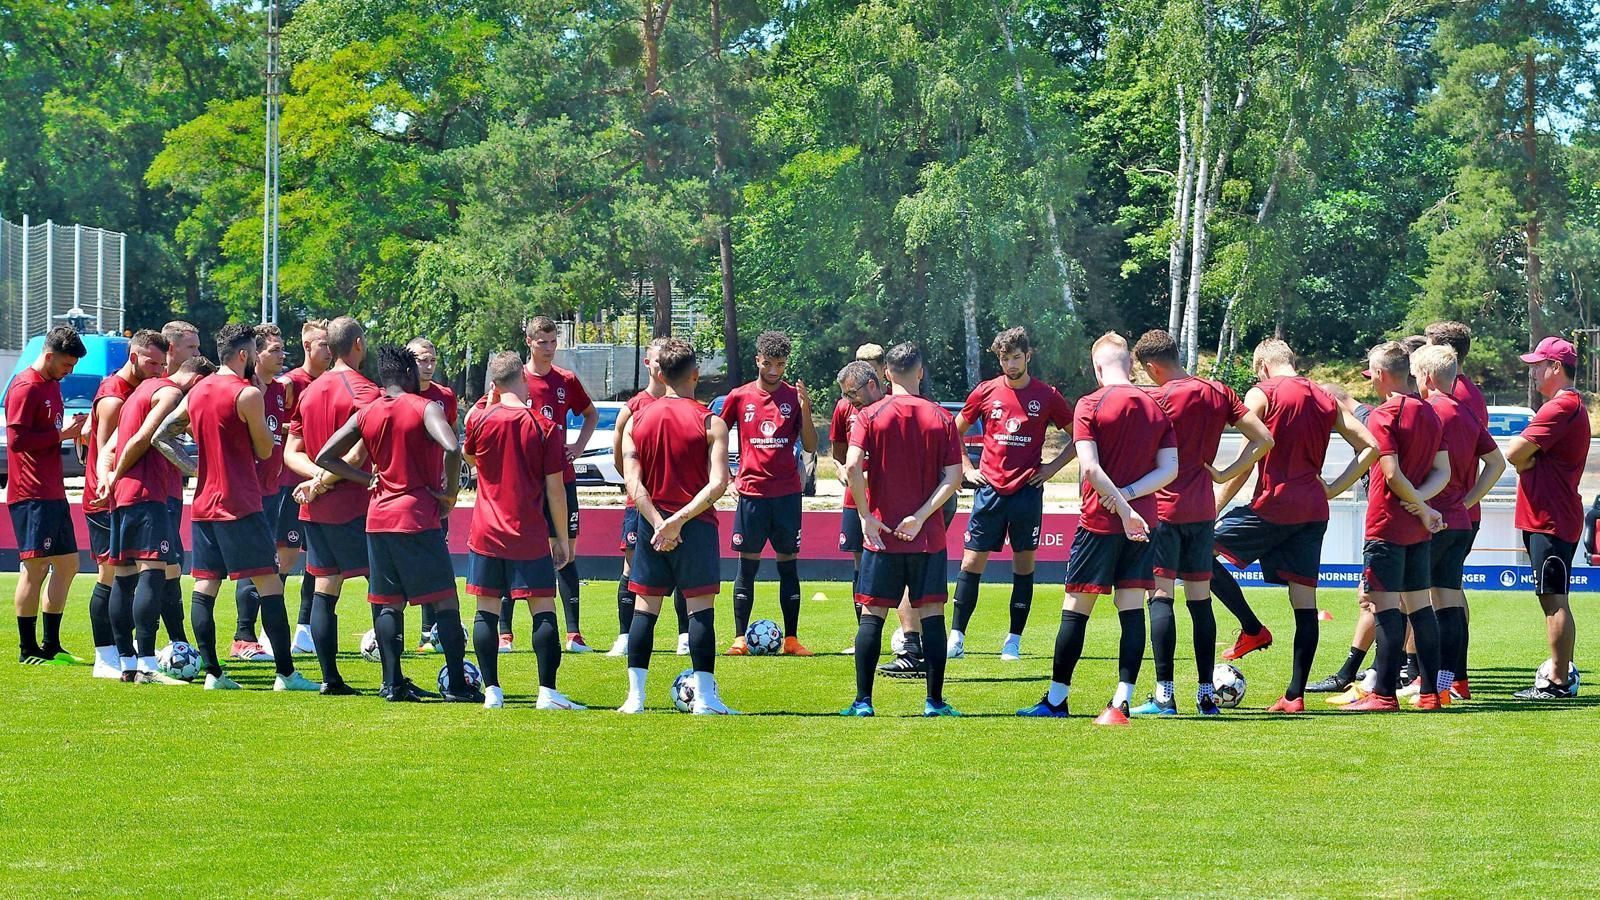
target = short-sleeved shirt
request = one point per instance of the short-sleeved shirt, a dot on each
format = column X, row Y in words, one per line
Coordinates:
column 152, row 477
column 34, row 416
column 908, row 442
column 112, row 387
column 409, row 465
column 553, row 395
column 1407, row 428
column 227, row 485
column 844, row 418
column 1547, row 493
column 1014, row 421
column 1129, row 430
column 323, row 409
column 669, row 437
column 275, row 399
column 769, row 426
column 1467, row 394
column 299, row 381
column 1200, row 411
column 635, row 403
column 446, row 398
column 1300, row 417
column 514, row 450
column 1466, row 439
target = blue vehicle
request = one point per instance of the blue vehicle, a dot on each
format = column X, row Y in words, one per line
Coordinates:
column 107, row 353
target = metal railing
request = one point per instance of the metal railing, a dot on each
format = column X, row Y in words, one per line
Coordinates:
column 47, row 271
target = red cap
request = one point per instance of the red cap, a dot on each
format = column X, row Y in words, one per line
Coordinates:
column 1553, row 349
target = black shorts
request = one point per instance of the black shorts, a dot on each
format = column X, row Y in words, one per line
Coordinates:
column 997, row 517
column 758, row 521
column 1551, row 559
column 237, row 548
column 693, row 567
column 572, row 512
column 1390, row 568
column 887, row 577
column 1183, row 550
column 337, row 550
column 410, row 568
column 99, row 525
column 175, row 514
column 1289, row 554
column 287, row 529
column 143, row 532
column 630, row 530
column 851, row 539
column 519, row 579
column 1449, row 557
column 1101, row 563
column 43, row 528
column 950, row 508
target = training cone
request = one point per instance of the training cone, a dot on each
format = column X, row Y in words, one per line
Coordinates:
column 1324, row 616
column 819, row 596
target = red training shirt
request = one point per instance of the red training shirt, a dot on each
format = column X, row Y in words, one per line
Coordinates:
column 152, row 478
column 553, row 395
column 112, row 387
column 514, row 450
column 669, row 437
column 33, row 438
column 227, row 485
column 844, row 419
column 1289, row 486
column 1547, row 493
column 1200, row 410
column 409, row 465
column 299, row 380
column 908, row 442
column 1466, row 439
column 1128, row 429
column 275, row 399
column 1408, row 429
column 635, row 403
column 322, row 410
column 1014, row 422
column 769, row 426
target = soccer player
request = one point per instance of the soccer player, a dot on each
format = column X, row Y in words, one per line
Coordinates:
column 1015, row 410
column 36, row 496
column 144, row 540
column 520, row 461
column 276, row 398
column 183, row 344
column 227, row 416
column 552, row 393
column 333, row 512
column 675, row 463
column 1396, row 564
column 903, row 465
column 844, row 417
column 1549, row 456
column 1127, row 450
column 403, row 433
column 1285, row 521
column 1184, row 538
column 770, row 414
column 110, row 611
column 427, row 361
column 290, row 530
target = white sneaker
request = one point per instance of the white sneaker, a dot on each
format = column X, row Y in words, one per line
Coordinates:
column 1011, row 648
column 711, row 706
column 957, row 647
column 146, row 677
column 558, row 700
column 103, row 669
column 619, row 647
column 221, row 683
column 302, row 643
column 632, row 705
column 683, row 645
column 294, row 682
column 1410, row 690
column 848, row 651
column 493, row 697
column 575, row 644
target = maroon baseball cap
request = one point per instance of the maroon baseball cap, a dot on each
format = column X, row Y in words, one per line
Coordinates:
column 1553, row 349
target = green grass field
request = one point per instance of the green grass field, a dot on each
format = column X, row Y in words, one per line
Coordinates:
column 113, row 789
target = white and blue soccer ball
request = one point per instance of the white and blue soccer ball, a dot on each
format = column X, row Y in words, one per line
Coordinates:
column 1228, row 684
column 178, row 660
column 1541, row 678
column 474, row 677
column 764, row 637
column 433, row 637
column 683, row 691
column 369, row 646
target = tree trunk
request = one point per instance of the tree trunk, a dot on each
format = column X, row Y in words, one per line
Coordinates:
column 1226, row 336
column 730, row 309
column 661, row 284
column 653, row 22
column 1182, row 192
column 1530, row 149
column 1197, row 240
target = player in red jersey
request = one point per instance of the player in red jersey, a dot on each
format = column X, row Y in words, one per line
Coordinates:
column 1458, row 337
column 183, row 344
column 110, row 608
column 770, row 415
column 289, row 528
column 36, row 495
column 844, row 417
column 1184, row 539
column 904, row 463
column 1549, row 457
column 675, row 463
column 1127, row 450
column 335, row 530
column 275, row 398
column 412, row 488
column 1015, row 410
column 510, row 550
column 427, row 361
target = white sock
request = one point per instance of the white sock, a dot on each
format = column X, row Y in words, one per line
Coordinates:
column 1058, row 693
column 547, row 694
column 1013, row 638
column 636, row 682
column 127, row 663
column 1124, row 693
column 106, row 656
column 1164, row 691
column 147, row 663
column 705, row 685
column 301, row 630
column 1371, row 681
column 956, row 636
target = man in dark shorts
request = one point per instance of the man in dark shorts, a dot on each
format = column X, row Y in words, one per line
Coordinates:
column 1549, row 457
column 904, row 464
column 434, row 392
column 1284, row 523
column 1015, row 410
column 1127, row 450
column 183, row 344
column 410, row 563
column 276, row 399
column 770, row 415
column 1184, row 538
column 844, row 418
column 675, row 464
column 36, row 496
column 290, row 530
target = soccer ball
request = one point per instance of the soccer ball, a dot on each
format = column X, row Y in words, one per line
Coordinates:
column 178, row 660
column 764, row 637
column 433, row 637
column 683, row 691
column 1228, row 683
column 897, row 641
column 1541, row 678
column 369, row 646
column 474, row 677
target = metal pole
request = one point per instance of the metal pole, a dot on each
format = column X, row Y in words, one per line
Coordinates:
column 269, row 192
column 122, row 277
column 100, row 281
column 49, row 271
column 25, row 266
column 77, row 266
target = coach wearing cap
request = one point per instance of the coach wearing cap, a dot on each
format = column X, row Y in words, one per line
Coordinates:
column 1549, row 455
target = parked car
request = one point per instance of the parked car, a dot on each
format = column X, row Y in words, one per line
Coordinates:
column 1508, row 421
column 972, row 440
column 595, row 467
column 806, row 461
column 107, row 353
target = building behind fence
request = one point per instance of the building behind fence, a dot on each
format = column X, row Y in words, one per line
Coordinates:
column 47, row 270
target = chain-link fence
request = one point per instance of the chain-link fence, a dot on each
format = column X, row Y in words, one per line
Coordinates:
column 48, row 270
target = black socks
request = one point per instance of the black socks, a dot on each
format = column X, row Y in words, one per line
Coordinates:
column 202, row 611
column 1069, row 646
column 1425, row 627
column 325, row 635
column 567, row 582
column 547, row 647
column 121, row 608
column 100, row 615
column 1130, row 649
column 934, row 651
column 453, row 640
column 172, row 610
column 1227, row 590
column 246, row 603
column 966, row 599
column 641, row 639
column 1021, row 601
column 869, row 648
column 147, row 608
column 1391, row 649
column 1305, row 651
column 744, row 594
column 1352, row 664
column 703, row 640
column 789, row 595
column 275, row 622
column 1163, row 636
column 390, row 624
column 1204, row 621
column 625, row 600
column 486, row 646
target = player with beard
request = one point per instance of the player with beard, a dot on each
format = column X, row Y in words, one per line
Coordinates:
column 276, row 399
column 291, row 531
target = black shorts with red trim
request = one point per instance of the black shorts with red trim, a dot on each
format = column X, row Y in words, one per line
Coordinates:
column 851, row 538
column 693, row 567
column 759, row 521
column 630, row 530
column 1551, row 559
column 1289, row 554
column 1390, row 568
column 1448, row 557
column 235, row 548
column 43, row 528
column 998, row 517
column 143, row 532
column 886, row 578
column 572, row 512
column 99, row 526
column 337, row 550
column 519, row 579
column 1183, row 550
column 287, row 529
column 1101, row 563
column 175, row 514
column 409, row 568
